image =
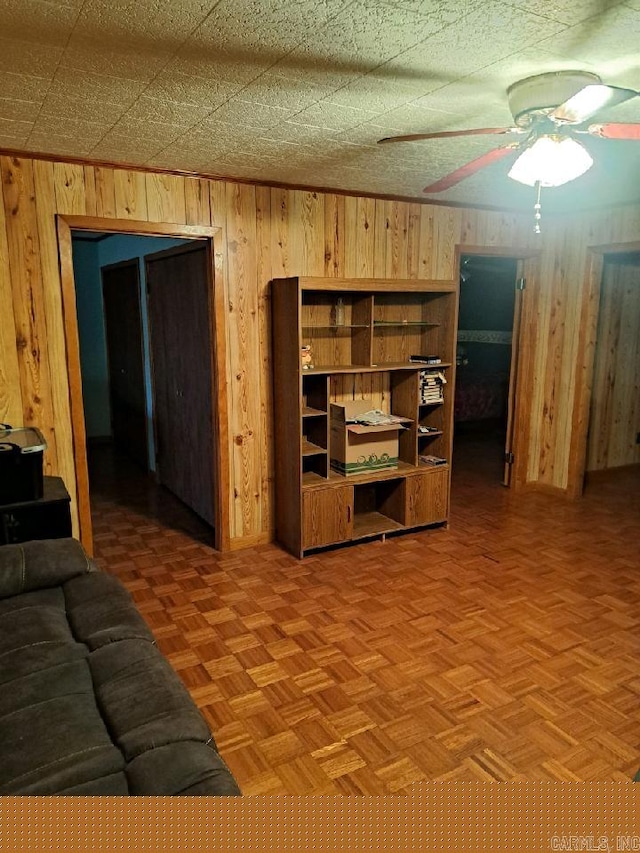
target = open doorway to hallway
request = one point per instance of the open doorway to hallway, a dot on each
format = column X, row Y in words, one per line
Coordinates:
column 146, row 436
column 487, row 315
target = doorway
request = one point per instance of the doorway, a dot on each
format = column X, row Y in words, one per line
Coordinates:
column 486, row 363
column 91, row 415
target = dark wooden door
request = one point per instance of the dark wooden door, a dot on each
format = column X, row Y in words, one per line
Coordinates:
column 121, row 296
column 178, row 291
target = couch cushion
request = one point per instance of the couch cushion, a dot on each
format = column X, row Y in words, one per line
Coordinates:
column 144, row 703
column 181, row 768
column 100, row 611
column 36, row 565
column 51, row 730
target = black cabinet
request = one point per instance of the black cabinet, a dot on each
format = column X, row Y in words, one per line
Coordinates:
column 49, row 517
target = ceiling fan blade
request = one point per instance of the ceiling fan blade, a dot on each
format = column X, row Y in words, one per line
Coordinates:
column 588, row 101
column 445, row 134
column 469, row 169
column 615, row 131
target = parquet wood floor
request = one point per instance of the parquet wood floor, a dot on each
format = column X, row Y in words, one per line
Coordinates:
column 505, row 647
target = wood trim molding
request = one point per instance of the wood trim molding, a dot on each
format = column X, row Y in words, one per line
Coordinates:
column 65, row 223
column 221, row 409
column 78, row 430
column 585, row 360
column 139, row 226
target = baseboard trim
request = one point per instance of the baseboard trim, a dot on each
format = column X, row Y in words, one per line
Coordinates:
column 242, row 542
column 547, row 489
column 609, row 473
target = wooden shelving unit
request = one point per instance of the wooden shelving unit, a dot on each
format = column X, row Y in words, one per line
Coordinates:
column 386, row 322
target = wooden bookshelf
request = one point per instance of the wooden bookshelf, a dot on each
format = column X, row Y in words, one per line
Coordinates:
column 368, row 358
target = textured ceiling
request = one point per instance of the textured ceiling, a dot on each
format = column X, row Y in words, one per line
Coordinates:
column 299, row 91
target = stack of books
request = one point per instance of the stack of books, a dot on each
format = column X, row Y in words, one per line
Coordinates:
column 427, row 359
column 431, row 382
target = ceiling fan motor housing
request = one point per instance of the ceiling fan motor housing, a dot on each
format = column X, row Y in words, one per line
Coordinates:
column 544, row 92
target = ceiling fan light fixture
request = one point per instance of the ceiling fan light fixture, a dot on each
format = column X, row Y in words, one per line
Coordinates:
column 551, row 161
column 587, row 102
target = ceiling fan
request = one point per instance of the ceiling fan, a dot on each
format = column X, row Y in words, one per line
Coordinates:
column 549, row 110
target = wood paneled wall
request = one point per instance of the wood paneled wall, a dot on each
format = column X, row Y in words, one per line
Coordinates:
column 615, row 398
column 271, row 232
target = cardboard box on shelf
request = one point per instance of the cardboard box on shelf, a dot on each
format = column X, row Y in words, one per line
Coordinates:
column 361, row 448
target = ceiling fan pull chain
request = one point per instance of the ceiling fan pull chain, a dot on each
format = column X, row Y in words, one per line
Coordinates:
column 537, row 215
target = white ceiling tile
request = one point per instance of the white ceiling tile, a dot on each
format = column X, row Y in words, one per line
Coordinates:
column 301, row 134
column 165, row 112
column 14, row 128
column 609, row 42
column 11, row 108
column 137, row 129
column 62, row 146
column 484, row 36
column 37, row 21
column 277, row 89
column 249, row 114
column 332, row 116
column 24, row 57
column 565, row 11
column 23, row 86
column 120, row 149
column 269, row 26
column 380, row 91
column 72, row 4
column 76, row 128
column 130, row 61
column 86, row 86
column 198, row 60
column 95, row 110
column 163, row 24
column 361, row 38
column 174, row 85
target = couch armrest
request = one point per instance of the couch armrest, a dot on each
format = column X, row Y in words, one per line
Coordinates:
column 40, row 564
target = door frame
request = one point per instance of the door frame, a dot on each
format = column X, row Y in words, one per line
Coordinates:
column 585, row 361
column 520, row 426
column 132, row 262
column 217, row 317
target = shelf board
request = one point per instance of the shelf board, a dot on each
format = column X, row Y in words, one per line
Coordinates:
column 372, row 523
column 335, row 328
column 309, row 478
column 310, row 449
column 387, row 324
column 435, row 403
column 335, row 479
column 430, row 434
column 309, row 412
column 367, row 368
column 428, row 366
